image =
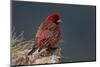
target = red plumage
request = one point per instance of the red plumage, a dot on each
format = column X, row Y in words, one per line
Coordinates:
column 48, row 33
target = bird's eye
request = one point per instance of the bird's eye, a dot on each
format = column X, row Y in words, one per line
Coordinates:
column 59, row 20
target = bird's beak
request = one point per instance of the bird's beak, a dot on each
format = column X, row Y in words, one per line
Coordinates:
column 59, row 20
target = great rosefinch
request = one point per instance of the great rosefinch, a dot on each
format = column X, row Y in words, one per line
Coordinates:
column 49, row 32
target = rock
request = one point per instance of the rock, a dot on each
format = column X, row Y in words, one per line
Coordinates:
column 42, row 57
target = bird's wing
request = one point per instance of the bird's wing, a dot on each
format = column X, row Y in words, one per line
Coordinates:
column 47, row 41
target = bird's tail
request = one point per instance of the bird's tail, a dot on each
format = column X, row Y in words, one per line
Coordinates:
column 32, row 50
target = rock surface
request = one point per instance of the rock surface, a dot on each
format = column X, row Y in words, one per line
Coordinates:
column 42, row 57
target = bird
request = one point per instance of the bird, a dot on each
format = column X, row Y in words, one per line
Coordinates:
column 48, row 33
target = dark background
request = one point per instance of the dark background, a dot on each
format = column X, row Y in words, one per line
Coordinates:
column 77, row 26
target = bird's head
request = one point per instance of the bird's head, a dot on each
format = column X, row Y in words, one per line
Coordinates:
column 55, row 17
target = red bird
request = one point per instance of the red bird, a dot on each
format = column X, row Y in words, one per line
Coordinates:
column 49, row 32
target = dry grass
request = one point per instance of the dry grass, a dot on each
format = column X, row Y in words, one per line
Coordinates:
column 20, row 49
